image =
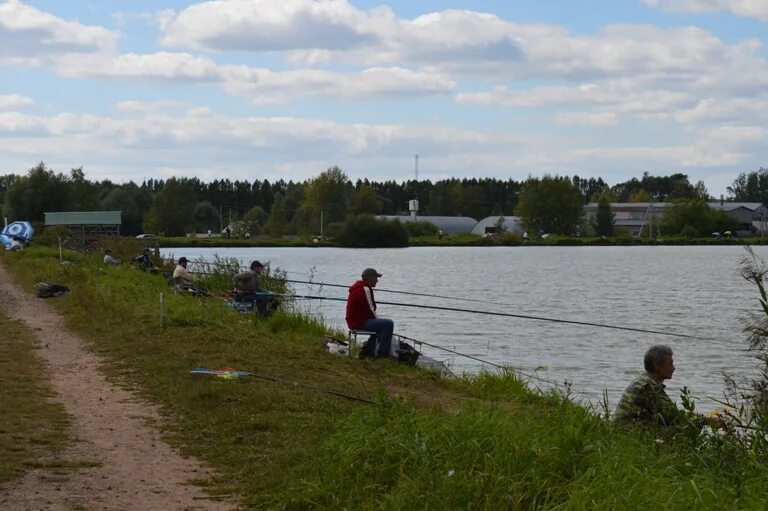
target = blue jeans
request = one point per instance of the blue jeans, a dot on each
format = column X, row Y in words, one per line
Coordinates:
column 383, row 328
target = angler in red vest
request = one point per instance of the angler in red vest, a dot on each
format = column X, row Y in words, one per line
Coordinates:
column 361, row 315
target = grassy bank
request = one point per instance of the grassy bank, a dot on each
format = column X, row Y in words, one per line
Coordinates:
column 281, row 442
column 32, row 427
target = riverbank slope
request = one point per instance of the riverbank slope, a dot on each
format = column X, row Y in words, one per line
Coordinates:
column 289, row 439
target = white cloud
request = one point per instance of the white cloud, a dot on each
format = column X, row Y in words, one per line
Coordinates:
column 14, row 101
column 757, row 9
column 162, row 66
column 29, row 35
column 266, row 25
column 144, row 107
column 260, row 85
column 263, row 86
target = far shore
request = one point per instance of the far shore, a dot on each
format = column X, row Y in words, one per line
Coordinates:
column 458, row 240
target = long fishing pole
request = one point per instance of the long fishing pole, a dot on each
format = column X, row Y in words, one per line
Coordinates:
column 519, row 316
column 411, row 293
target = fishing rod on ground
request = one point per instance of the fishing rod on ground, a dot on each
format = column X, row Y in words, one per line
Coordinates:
column 519, row 316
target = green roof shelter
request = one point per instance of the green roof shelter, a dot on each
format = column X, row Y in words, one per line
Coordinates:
column 86, row 225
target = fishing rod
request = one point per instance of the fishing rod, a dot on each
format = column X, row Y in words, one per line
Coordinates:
column 519, row 316
column 411, row 293
column 502, row 367
column 395, row 291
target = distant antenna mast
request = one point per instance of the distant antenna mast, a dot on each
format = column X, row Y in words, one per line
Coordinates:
column 413, row 205
column 416, row 173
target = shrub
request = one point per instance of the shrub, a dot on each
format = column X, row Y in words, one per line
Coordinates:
column 416, row 229
column 689, row 232
column 365, row 231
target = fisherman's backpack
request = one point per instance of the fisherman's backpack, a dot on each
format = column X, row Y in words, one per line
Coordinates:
column 407, row 353
column 50, row 289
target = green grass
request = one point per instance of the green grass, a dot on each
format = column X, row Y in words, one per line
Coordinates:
column 32, row 427
column 484, row 442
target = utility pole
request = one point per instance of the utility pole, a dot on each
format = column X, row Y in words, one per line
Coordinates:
column 416, row 173
column 221, row 220
column 321, row 223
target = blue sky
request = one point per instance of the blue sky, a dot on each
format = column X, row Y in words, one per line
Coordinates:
column 254, row 89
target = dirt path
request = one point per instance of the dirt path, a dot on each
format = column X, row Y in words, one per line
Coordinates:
column 118, row 461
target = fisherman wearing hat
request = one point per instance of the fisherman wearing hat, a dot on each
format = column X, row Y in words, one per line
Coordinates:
column 248, row 288
column 361, row 315
column 143, row 260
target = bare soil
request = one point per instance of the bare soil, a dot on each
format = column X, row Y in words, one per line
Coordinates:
column 117, row 459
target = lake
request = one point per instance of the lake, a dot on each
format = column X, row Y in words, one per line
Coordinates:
column 682, row 289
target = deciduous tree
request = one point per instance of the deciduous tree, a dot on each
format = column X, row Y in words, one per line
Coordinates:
column 550, row 205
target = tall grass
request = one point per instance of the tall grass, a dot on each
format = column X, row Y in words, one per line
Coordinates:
column 479, row 442
column 32, row 425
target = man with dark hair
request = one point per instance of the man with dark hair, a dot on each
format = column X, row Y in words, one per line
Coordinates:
column 181, row 276
column 109, row 259
column 361, row 315
column 646, row 401
column 248, row 288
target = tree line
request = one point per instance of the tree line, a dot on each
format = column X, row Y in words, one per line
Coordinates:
column 176, row 206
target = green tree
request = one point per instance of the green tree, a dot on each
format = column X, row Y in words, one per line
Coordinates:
column 694, row 215
column 550, row 205
column 276, row 222
column 173, row 207
column 365, row 201
column 604, row 218
column 83, row 194
column 751, row 187
column 254, row 220
column 206, row 216
column 39, row 191
column 325, row 193
column 126, row 200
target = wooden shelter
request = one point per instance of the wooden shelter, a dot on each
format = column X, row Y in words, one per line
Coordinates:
column 86, row 226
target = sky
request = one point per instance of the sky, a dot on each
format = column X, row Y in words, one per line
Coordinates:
column 283, row 89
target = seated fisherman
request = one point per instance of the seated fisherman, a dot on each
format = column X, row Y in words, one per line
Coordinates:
column 143, row 260
column 247, row 288
column 184, row 279
column 109, row 259
column 361, row 315
column 646, row 402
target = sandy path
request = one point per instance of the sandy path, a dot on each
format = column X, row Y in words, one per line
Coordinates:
column 136, row 469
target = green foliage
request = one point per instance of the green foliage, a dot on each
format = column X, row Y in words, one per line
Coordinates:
column 366, row 231
column 657, row 188
column 604, row 218
column 365, row 201
column 550, row 205
column 326, row 193
column 689, row 231
column 206, row 216
column 173, row 208
column 416, row 229
column 39, row 191
column 696, row 214
column 751, row 186
column 276, row 222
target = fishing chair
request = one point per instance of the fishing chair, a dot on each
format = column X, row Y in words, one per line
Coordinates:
column 352, row 338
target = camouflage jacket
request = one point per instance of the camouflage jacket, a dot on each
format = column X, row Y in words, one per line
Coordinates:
column 645, row 401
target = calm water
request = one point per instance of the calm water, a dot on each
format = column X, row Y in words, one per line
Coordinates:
column 690, row 290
